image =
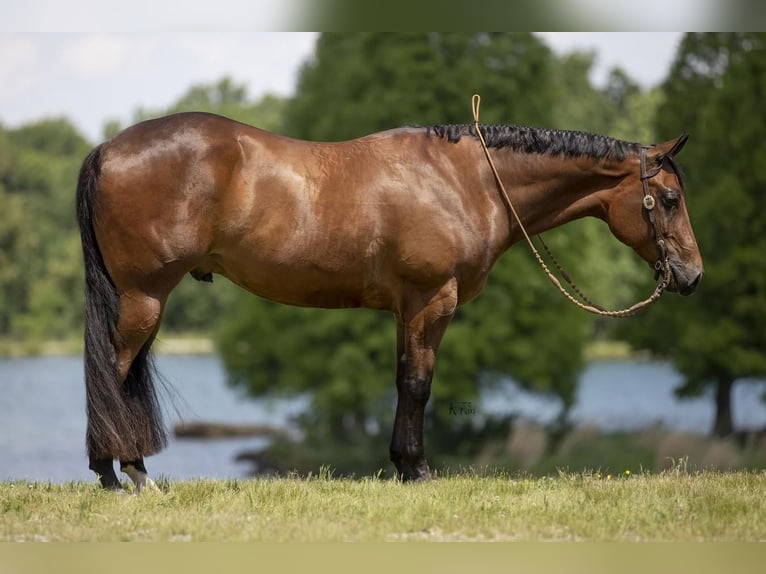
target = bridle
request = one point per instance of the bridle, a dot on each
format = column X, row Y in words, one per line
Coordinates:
column 649, row 203
column 662, row 266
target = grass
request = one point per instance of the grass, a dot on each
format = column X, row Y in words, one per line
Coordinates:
column 669, row 506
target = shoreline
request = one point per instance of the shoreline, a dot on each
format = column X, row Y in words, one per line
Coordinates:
column 198, row 344
column 164, row 345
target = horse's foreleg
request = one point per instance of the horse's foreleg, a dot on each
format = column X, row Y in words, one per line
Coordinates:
column 419, row 334
column 407, row 449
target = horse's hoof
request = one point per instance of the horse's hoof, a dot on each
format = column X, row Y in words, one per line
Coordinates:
column 414, row 473
column 140, row 478
column 115, row 488
column 148, row 485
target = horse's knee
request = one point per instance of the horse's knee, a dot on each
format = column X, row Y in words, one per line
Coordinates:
column 418, row 388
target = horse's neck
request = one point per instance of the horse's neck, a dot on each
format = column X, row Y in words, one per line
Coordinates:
column 549, row 191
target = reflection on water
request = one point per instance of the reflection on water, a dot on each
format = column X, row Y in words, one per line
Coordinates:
column 42, row 412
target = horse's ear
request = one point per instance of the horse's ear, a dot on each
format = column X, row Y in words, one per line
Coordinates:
column 678, row 145
column 669, row 148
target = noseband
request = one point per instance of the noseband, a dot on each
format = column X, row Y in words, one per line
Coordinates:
column 662, row 266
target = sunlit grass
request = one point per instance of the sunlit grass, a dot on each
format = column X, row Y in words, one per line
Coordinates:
column 671, row 506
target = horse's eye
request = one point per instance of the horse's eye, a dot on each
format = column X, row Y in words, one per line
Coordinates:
column 670, row 199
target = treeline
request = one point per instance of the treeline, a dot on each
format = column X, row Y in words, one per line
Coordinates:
column 519, row 327
column 40, row 259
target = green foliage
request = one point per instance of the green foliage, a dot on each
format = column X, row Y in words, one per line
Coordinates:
column 715, row 92
column 40, row 276
column 367, row 82
column 224, row 97
column 346, row 356
column 519, row 327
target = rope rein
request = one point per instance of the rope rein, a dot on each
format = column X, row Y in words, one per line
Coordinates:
column 583, row 302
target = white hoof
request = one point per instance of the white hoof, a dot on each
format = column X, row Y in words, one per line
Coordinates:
column 140, row 479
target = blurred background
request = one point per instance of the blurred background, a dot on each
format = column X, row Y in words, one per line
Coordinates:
column 524, row 381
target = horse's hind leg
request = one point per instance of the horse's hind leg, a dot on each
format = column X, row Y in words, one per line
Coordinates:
column 138, row 323
column 136, row 470
column 105, row 472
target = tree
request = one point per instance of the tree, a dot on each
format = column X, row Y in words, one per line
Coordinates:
column 227, row 98
column 367, row 82
column 715, row 91
column 40, row 280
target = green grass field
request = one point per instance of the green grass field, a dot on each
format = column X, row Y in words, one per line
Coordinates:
column 669, row 506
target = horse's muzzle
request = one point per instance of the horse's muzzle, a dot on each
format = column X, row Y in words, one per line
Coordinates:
column 684, row 279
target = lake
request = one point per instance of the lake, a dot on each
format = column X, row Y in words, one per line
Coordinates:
column 42, row 412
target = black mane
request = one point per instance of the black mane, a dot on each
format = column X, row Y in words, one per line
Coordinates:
column 541, row 141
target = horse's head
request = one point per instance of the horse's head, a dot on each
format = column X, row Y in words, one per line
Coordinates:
column 662, row 231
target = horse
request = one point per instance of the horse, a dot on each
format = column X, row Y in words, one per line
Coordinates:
column 409, row 220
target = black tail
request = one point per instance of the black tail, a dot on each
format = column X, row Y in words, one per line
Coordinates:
column 124, row 418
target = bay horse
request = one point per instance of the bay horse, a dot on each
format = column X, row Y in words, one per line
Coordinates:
column 408, row 220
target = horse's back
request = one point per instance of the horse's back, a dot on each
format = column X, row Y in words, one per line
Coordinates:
column 308, row 223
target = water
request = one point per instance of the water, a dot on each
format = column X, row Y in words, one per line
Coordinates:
column 630, row 395
column 42, row 419
column 42, row 413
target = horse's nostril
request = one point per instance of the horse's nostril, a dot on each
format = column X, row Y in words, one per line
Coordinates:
column 686, row 282
column 694, row 282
